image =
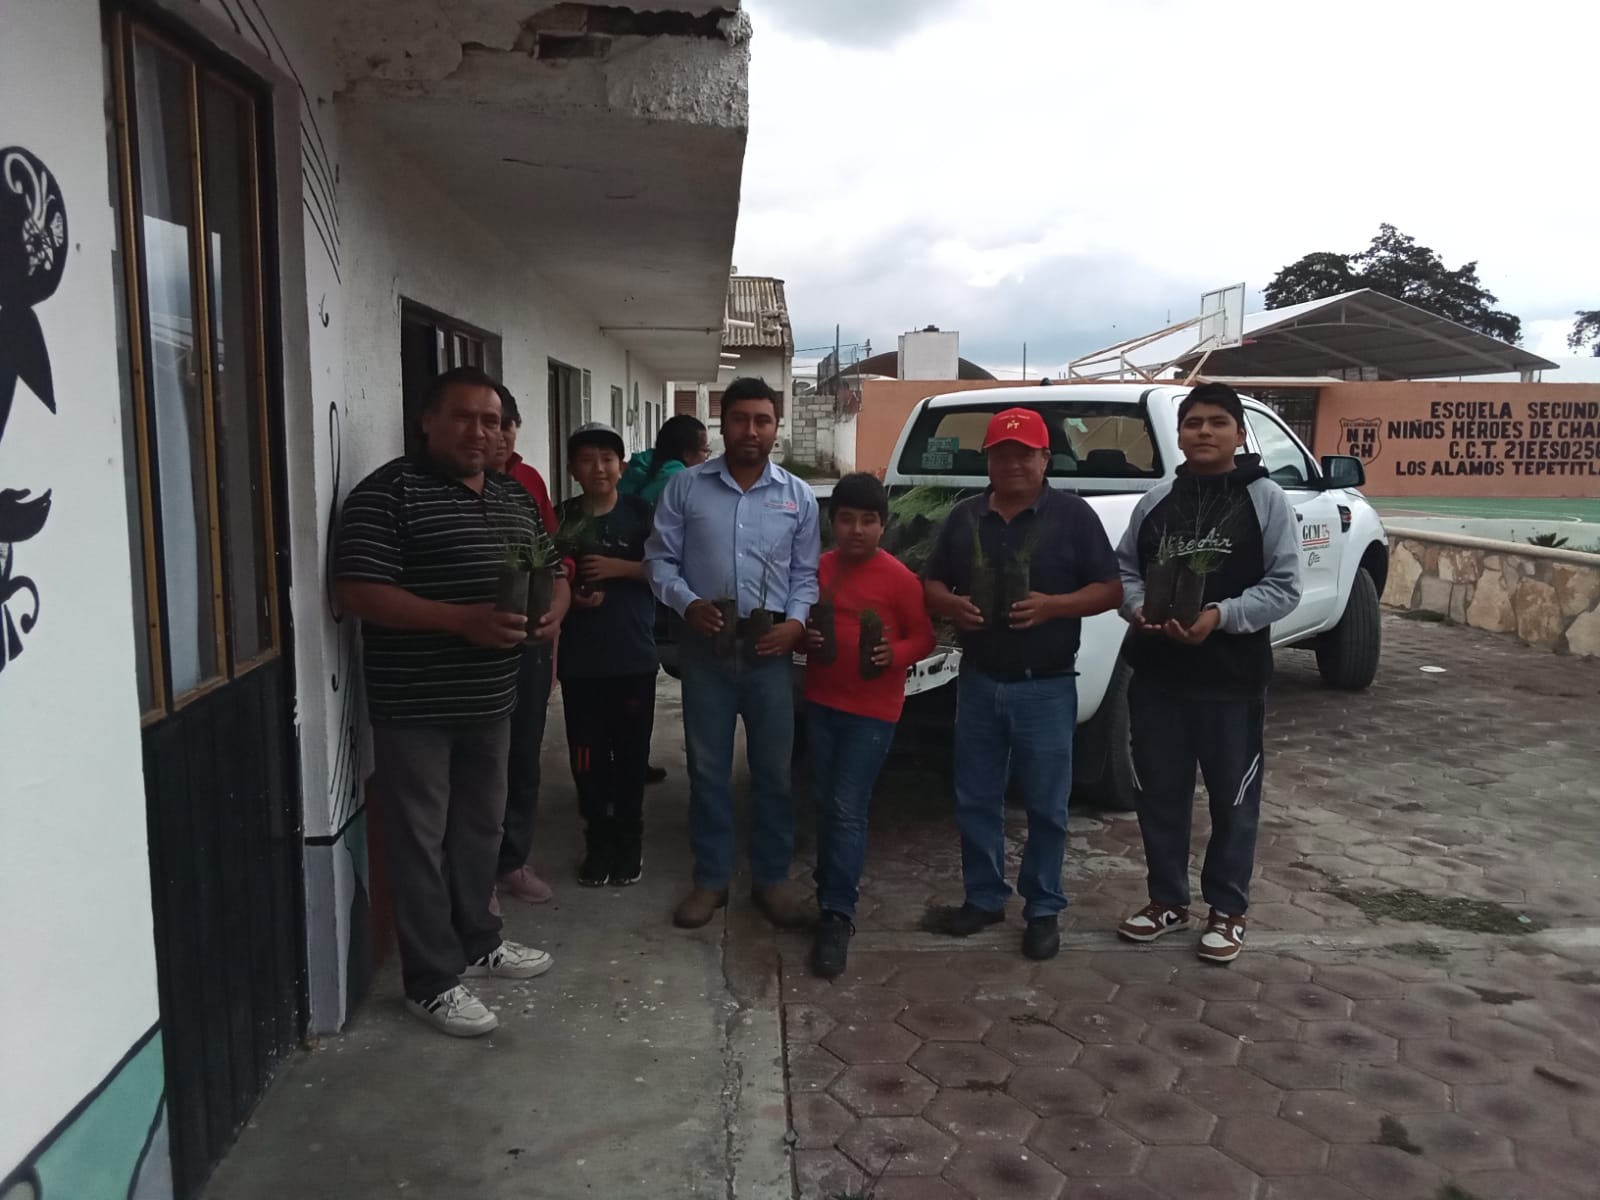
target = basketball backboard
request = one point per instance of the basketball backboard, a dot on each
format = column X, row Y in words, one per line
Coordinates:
column 1222, row 318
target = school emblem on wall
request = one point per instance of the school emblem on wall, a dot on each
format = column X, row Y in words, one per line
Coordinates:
column 33, row 255
column 1361, row 438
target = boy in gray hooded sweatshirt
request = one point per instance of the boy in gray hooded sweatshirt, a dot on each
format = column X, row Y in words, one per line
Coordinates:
column 1198, row 693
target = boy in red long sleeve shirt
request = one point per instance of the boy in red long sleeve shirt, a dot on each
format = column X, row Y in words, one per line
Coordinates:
column 854, row 695
column 534, row 681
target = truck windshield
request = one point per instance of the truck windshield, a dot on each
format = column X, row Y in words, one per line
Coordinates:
column 1087, row 441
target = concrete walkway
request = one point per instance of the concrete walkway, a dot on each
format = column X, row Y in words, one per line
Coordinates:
column 647, row 1062
column 1416, row 1017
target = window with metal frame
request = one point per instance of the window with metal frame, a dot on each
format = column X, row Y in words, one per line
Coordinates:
column 1297, row 407
column 193, row 358
column 432, row 343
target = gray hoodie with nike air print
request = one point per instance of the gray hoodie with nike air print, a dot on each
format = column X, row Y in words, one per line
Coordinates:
column 1243, row 523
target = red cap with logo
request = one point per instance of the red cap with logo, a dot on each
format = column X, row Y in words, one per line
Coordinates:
column 1022, row 425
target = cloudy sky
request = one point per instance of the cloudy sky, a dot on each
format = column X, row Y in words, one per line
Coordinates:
column 1067, row 173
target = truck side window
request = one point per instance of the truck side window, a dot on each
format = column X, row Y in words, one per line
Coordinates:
column 1286, row 463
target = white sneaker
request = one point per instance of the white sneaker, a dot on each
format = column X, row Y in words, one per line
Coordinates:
column 510, row 960
column 1152, row 921
column 456, row 1012
column 1223, row 938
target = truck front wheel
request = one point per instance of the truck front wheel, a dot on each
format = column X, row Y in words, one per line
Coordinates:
column 1347, row 655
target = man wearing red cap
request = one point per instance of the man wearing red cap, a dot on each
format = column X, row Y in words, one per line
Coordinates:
column 1016, row 570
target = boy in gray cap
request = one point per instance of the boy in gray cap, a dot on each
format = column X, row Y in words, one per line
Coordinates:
column 607, row 665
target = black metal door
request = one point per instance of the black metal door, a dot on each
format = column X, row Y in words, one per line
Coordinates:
column 225, row 872
column 204, row 451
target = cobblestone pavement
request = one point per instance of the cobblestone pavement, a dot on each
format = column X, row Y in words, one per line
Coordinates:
column 1417, row 1013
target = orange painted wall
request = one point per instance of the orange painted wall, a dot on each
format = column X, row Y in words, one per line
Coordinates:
column 1466, row 439
column 886, row 403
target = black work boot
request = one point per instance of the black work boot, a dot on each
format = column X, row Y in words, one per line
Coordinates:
column 1042, row 938
column 830, row 946
column 970, row 919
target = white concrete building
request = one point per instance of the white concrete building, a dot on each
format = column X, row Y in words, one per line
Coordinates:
column 236, row 236
column 930, row 353
column 757, row 341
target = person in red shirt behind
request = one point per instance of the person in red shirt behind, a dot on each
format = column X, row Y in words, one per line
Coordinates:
column 516, row 875
column 854, row 695
column 507, row 461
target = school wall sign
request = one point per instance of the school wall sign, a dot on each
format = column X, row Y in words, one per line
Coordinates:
column 1466, row 439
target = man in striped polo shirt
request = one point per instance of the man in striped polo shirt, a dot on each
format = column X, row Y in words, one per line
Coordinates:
column 419, row 554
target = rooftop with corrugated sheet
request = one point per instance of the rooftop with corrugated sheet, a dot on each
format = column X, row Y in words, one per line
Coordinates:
column 758, row 314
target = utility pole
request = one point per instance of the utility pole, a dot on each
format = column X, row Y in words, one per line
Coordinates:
column 1024, row 360
column 838, row 363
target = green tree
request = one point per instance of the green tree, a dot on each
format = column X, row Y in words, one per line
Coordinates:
column 1586, row 331
column 1397, row 266
column 1314, row 277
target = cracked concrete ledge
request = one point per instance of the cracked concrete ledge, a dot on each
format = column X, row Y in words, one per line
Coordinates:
column 1007, row 937
column 658, row 79
column 755, row 1106
column 491, row 53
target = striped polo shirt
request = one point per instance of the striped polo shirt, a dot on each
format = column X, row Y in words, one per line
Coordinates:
column 408, row 525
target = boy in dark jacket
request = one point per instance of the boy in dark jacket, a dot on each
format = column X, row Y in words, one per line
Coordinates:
column 607, row 665
column 1199, row 691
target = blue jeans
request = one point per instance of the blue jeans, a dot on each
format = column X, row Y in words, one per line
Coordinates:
column 717, row 693
column 847, row 752
column 1023, row 729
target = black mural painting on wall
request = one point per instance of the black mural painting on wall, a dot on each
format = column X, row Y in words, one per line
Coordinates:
column 33, row 255
column 344, row 781
column 320, row 196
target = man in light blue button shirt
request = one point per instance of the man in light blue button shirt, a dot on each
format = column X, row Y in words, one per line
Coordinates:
column 738, row 526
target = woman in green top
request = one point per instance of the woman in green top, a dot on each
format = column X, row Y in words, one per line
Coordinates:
column 680, row 443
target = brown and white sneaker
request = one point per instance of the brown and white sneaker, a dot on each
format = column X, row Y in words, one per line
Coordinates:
column 1223, row 938
column 1153, row 920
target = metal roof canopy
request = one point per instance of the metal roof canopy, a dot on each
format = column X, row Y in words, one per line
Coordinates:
column 1362, row 330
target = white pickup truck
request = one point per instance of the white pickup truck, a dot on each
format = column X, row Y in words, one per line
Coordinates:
column 1111, row 443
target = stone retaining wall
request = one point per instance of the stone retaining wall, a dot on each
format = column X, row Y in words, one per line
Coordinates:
column 1548, row 598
